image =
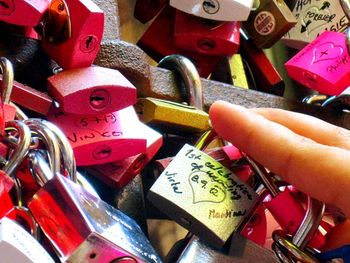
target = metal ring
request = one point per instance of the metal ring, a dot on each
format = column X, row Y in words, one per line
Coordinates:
column 7, row 79
column 25, row 214
column 50, row 141
column 185, row 69
column 39, row 168
column 65, row 147
column 24, row 140
column 281, row 240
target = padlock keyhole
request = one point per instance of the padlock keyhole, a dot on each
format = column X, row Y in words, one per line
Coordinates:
column 99, row 99
column 3, row 4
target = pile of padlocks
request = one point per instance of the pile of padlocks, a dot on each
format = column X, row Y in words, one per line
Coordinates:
column 70, row 184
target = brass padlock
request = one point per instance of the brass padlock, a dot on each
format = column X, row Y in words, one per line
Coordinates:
column 271, row 21
column 176, row 117
column 203, row 196
column 231, row 70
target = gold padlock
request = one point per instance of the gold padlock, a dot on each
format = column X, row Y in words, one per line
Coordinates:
column 231, row 70
column 272, row 20
column 175, row 117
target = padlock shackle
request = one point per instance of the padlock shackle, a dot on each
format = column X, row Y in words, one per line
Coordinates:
column 7, row 79
column 39, row 168
column 188, row 74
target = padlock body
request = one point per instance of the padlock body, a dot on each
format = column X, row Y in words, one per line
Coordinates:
column 269, row 23
column 12, row 11
column 83, row 228
column 197, row 35
column 102, row 138
column 158, row 42
column 172, row 117
column 146, row 10
column 314, row 17
column 81, row 48
column 17, row 245
column 323, row 65
column 91, row 90
column 203, row 196
column 223, row 10
column 120, row 173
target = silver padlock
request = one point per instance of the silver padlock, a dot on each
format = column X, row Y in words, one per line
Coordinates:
column 83, row 228
column 17, row 245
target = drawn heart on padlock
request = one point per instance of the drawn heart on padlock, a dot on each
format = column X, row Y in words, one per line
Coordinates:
column 309, row 24
column 204, row 189
column 326, row 51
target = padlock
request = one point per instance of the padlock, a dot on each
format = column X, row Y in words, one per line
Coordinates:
column 17, row 245
column 90, row 91
column 314, row 17
column 323, row 65
column 146, row 10
column 269, row 23
column 23, row 12
column 101, row 138
column 203, row 196
column 292, row 248
column 265, row 76
column 158, row 42
column 118, row 174
column 206, row 36
column 230, row 70
column 175, row 117
column 286, row 210
column 83, row 228
column 72, row 32
column 227, row 10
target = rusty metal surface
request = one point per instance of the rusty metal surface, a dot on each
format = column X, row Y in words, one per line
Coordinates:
column 129, row 59
column 112, row 23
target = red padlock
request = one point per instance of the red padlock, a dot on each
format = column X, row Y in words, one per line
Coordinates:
column 92, row 90
column 146, row 10
column 23, row 12
column 6, row 184
column 119, row 173
column 198, row 35
column 158, row 42
column 102, row 138
column 72, row 32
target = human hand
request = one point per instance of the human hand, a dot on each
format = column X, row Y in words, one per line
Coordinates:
column 306, row 152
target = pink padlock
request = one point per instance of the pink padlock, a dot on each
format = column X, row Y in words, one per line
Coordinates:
column 198, row 35
column 119, row 173
column 91, row 90
column 323, row 65
column 23, row 12
column 72, row 32
column 102, row 138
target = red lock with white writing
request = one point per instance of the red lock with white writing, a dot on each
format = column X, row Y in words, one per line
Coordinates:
column 323, row 65
column 72, row 32
column 102, row 138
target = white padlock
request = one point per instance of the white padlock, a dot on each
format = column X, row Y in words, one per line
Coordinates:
column 17, row 245
column 221, row 10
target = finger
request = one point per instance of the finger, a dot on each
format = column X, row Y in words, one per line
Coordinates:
column 308, row 126
column 318, row 170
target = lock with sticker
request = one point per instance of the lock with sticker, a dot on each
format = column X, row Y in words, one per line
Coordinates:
column 269, row 23
column 324, row 64
column 315, row 17
column 203, row 196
